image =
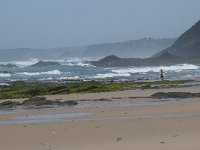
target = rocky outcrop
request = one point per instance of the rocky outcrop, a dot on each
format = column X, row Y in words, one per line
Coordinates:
column 37, row 101
column 45, row 63
column 187, row 45
column 9, row 104
column 186, row 49
column 182, row 95
column 40, row 101
column 164, row 59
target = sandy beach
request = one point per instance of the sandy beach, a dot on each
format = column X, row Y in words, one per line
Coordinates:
column 125, row 123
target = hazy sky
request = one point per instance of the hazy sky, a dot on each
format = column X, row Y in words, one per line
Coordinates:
column 58, row 23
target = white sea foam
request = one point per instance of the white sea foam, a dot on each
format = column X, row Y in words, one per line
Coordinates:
column 25, row 63
column 53, row 72
column 72, row 62
column 4, row 84
column 110, row 75
column 68, row 62
column 5, row 75
column 77, row 62
column 69, row 78
column 143, row 70
column 46, row 79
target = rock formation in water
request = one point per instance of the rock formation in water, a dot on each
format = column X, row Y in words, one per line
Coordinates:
column 185, row 50
column 45, row 63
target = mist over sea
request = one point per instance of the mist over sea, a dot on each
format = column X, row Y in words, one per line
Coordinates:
column 80, row 70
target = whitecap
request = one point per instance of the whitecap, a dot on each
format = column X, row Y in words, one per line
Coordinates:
column 46, row 79
column 175, row 68
column 84, row 62
column 69, row 78
column 25, row 63
column 5, row 75
column 110, row 75
column 53, row 72
column 4, row 84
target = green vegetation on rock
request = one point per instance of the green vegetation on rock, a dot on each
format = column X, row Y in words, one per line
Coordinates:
column 27, row 89
column 35, row 100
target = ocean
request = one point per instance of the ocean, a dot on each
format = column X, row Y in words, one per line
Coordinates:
column 78, row 70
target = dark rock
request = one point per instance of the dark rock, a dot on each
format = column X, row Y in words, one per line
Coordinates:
column 161, row 95
column 96, row 100
column 165, row 58
column 114, row 61
column 103, row 99
column 6, row 103
column 9, row 104
column 69, row 103
column 45, row 63
column 41, row 101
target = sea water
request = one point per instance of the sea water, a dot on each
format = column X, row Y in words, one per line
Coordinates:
column 79, row 69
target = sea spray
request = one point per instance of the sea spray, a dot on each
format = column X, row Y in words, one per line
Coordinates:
column 176, row 68
column 53, row 72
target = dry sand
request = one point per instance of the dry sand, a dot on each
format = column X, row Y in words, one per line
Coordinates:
column 109, row 128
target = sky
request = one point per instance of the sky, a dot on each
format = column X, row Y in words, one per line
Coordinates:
column 61, row 23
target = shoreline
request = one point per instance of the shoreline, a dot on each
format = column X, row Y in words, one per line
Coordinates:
column 154, row 124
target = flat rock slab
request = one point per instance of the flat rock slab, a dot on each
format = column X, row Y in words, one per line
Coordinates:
column 183, row 95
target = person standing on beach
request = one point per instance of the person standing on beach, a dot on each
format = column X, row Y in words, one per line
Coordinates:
column 161, row 74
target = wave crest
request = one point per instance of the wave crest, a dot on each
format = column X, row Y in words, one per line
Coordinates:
column 176, row 68
column 53, row 72
column 5, row 75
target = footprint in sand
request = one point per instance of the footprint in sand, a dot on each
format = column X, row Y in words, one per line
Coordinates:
column 118, row 139
column 163, row 142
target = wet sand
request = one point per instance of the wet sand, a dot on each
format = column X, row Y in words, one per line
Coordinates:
column 162, row 126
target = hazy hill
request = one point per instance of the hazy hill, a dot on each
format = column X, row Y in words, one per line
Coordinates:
column 187, row 45
column 135, row 48
column 186, row 49
column 163, row 59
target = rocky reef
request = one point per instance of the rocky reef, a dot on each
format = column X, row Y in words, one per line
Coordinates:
column 182, row 95
column 36, row 101
column 45, row 63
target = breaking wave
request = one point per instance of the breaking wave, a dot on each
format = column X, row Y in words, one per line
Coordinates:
column 53, row 72
column 4, row 84
column 5, row 75
column 77, row 62
column 70, row 78
column 143, row 70
column 110, row 75
column 63, row 72
column 68, row 62
column 21, row 63
column 25, row 63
